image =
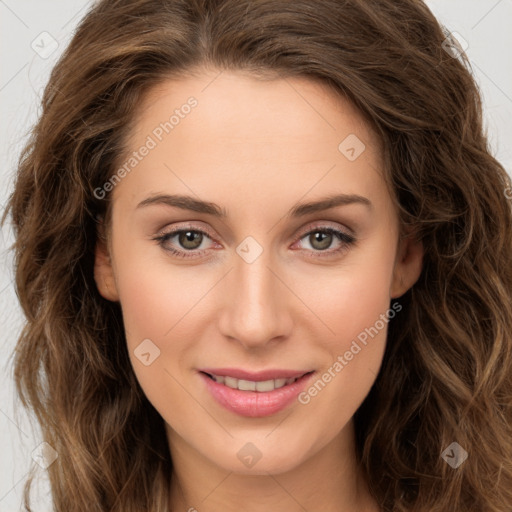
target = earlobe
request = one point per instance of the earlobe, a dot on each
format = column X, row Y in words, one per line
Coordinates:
column 104, row 273
column 408, row 266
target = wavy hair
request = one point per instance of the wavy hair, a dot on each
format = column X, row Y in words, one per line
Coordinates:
column 447, row 369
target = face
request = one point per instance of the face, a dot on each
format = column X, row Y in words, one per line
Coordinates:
column 252, row 279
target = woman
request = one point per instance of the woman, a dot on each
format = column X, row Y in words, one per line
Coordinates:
column 264, row 254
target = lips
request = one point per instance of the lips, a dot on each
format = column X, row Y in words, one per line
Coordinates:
column 254, row 394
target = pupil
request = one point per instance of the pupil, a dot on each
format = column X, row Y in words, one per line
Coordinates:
column 189, row 237
column 324, row 239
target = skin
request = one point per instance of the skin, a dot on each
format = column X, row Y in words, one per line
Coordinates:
column 256, row 148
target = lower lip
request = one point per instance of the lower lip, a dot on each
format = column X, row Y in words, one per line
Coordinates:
column 255, row 404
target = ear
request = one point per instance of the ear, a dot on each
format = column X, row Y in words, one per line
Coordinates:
column 408, row 265
column 103, row 270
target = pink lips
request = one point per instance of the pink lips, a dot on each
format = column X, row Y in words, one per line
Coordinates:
column 255, row 403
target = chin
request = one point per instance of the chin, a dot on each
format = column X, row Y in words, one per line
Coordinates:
column 260, row 455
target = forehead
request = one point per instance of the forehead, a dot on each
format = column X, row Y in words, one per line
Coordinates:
column 258, row 108
column 280, row 135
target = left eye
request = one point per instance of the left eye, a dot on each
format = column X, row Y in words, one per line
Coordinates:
column 320, row 239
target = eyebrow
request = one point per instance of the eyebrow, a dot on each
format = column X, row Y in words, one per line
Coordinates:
column 300, row 210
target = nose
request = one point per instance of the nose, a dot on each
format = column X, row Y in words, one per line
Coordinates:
column 255, row 309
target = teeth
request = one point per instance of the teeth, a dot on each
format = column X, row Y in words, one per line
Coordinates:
column 230, row 382
column 279, row 383
column 266, row 385
column 249, row 385
column 246, row 385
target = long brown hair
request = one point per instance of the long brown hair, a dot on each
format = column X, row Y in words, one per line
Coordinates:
column 446, row 375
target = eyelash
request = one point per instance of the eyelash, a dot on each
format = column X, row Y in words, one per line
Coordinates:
column 345, row 239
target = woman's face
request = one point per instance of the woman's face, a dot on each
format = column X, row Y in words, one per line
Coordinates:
column 267, row 281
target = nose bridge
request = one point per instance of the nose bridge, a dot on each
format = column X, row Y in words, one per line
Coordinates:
column 255, row 308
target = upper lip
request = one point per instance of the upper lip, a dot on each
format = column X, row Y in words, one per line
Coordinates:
column 260, row 376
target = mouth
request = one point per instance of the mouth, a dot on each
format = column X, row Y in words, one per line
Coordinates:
column 260, row 386
column 256, row 394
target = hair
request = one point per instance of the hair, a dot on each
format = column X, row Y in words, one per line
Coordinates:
column 446, row 373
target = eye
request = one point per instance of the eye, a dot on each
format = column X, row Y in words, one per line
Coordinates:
column 321, row 239
column 188, row 241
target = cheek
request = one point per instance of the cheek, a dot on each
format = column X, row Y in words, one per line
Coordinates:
column 156, row 305
column 359, row 319
column 356, row 296
column 155, row 296
column 357, row 309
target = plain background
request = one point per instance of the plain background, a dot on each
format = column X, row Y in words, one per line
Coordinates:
column 33, row 34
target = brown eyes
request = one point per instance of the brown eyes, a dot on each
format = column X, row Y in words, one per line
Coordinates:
column 186, row 242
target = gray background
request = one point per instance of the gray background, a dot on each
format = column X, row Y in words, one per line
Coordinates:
column 33, row 33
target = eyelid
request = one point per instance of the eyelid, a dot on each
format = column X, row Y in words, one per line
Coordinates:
column 177, row 227
column 184, row 226
column 322, row 225
column 345, row 236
